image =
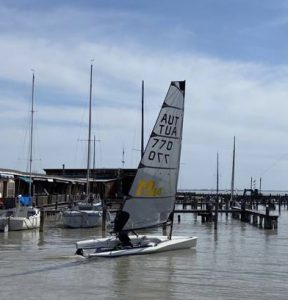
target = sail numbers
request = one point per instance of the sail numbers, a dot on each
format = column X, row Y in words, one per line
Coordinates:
column 167, row 129
column 162, row 142
column 168, row 125
column 163, row 145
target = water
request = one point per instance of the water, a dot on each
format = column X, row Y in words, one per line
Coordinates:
column 239, row 261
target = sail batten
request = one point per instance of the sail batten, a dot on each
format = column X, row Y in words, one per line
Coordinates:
column 170, row 106
column 159, row 135
column 153, row 192
column 151, row 167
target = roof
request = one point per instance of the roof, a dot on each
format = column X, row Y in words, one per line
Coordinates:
column 9, row 174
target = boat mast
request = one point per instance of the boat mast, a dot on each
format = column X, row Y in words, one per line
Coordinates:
column 217, row 193
column 142, row 122
column 31, row 136
column 123, row 158
column 94, row 149
column 89, row 134
column 232, row 177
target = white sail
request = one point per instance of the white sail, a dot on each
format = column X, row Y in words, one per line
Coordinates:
column 152, row 194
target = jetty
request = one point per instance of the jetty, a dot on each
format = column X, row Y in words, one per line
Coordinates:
column 60, row 188
column 251, row 207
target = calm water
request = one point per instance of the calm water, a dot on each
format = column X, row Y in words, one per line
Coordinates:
column 238, row 261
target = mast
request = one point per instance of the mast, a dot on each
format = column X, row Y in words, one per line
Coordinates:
column 217, row 194
column 31, row 136
column 123, row 158
column 233, row 175
column 142, row 121
column 89, row 134
column 94, row 144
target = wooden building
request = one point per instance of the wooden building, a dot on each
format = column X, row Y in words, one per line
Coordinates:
column 108, row 183
column 64, row 185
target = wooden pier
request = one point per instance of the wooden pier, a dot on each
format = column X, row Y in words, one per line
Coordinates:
column 262, row 219
column 203, row 205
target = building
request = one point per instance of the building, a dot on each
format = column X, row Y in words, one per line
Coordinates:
column 64, row 185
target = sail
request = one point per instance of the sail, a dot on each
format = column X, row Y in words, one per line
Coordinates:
column 152, row 194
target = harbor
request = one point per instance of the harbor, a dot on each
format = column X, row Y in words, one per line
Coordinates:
column 112, row 185
column 236, row 261
column 143, row 150
column 236, row 256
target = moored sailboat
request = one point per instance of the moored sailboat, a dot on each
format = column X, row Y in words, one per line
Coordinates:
column 85, row 214
column 24, row 215
column 152, row 195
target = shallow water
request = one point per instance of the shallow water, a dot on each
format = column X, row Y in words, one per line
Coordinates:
column 239, row 261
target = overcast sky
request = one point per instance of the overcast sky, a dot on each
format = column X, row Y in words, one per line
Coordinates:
column 232, row 54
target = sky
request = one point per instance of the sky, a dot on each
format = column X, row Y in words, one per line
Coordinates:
column 232, row 54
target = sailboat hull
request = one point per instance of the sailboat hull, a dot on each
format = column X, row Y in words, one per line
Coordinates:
column 81, row 219
column 22, row 218
column 111, row 247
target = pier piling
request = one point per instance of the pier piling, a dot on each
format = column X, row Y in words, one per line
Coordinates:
column 104, row 217
column 42, row 219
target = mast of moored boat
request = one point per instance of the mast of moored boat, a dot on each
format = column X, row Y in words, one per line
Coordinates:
column 94, row 149
column 217, row 194
column 31, row 136
column 123, row 158
column 89, row 135
column 232, row 178
column 142, row 121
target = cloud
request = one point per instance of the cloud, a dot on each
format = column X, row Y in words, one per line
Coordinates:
column 224, row 98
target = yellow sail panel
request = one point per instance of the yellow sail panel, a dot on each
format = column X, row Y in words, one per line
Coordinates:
column 147, row 188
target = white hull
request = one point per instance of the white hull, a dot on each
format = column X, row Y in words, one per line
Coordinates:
column 111, row 247
column 21, row 218
column 81, row 219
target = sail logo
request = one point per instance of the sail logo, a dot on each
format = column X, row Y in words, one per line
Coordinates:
column 168, row 125
column 147, row 188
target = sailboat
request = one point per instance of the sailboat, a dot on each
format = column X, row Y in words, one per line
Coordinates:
column 24, row 215
column 151, row 199
column 85, row 214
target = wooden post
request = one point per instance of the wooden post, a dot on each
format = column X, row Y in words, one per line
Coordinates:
column 267, row 210
column 42, row 219
column 243, row 211
column 260, row 221
column 267, row 220
column 104, row 216
column 255, row 219
column 179, row 219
